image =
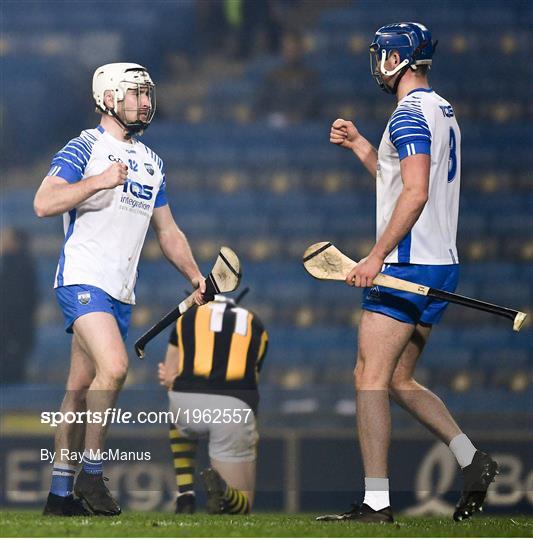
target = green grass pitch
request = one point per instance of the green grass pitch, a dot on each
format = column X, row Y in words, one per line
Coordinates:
column 141, row 524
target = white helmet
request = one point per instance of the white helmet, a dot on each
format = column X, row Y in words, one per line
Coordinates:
column 118, row 78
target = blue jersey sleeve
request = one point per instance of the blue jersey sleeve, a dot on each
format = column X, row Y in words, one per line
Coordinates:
column 161, row 198
column 409, row 132
column 70, row 162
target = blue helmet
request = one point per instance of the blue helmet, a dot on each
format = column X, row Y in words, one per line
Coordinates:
column 413, row 43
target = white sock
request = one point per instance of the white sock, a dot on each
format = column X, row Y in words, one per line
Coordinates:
column 377, row 493
column 463, row 450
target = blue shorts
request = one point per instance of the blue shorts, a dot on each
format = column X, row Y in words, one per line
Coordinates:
column 78, row 300
column 409, row 307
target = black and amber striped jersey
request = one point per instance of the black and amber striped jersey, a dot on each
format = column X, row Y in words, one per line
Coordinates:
column 221, row 350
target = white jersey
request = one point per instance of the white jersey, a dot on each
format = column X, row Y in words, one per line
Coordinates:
column 105, row 233
column 423, row 123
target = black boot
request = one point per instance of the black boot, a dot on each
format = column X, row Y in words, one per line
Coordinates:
column 362, row 513
column 64, row 506
column 93, row 491
column 476, row 481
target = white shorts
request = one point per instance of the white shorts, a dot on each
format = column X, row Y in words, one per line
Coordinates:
column 228, row 422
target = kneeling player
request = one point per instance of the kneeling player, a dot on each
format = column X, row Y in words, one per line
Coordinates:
column 211, row 367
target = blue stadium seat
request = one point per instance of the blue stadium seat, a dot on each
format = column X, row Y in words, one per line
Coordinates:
column 290, row 187
column 495, row 401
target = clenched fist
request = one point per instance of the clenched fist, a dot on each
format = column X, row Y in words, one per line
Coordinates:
column 115, row 175
column 343, row 133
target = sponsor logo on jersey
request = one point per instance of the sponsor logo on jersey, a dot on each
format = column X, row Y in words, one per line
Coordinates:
column 135, row 197
column 111, row 157
column 149, row 168
column 84, row 298
column 139, row 191
column 447, row 111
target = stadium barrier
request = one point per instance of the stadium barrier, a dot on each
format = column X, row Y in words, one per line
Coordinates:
column 298, row 470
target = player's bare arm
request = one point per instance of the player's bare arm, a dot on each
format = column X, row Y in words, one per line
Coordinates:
column 56, row 196
column 411, row 202
column 176, row 249
column 345, row 134
column 168, row 369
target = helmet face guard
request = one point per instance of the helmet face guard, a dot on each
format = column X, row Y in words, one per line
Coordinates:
column 120, row 78
column 138, row 125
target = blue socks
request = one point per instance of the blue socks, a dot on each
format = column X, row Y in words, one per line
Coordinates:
column 92, row 466
column 63, row 474
column 62, row 479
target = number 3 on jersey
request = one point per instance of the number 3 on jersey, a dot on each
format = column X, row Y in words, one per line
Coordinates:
column 452, row 163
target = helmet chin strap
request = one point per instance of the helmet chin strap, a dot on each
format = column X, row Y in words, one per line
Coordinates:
column 131, row 129
column 394, row 88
